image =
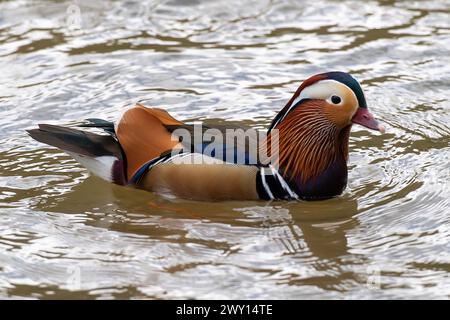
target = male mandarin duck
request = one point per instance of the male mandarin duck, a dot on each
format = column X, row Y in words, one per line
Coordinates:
column 312, row 130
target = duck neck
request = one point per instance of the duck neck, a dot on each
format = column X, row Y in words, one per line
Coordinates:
column 313, row 153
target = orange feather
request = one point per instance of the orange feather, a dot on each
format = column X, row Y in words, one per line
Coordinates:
column 142, row 135
column 308, row 142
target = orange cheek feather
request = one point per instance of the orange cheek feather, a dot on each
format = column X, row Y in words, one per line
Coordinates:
column 341, row 115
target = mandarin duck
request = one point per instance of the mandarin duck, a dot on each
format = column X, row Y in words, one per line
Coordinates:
column 146, row 150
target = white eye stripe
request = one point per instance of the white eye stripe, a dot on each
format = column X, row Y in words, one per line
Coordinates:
column 324, row 90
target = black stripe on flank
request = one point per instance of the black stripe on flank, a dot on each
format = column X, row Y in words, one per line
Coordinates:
column 274, row 185
column 262, row 193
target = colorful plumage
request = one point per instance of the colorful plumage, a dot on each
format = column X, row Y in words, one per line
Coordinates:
column 151, row 150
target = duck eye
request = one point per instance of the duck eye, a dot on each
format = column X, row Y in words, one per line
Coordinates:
column 336, row 99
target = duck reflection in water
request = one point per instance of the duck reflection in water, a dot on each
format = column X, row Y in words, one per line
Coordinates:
column 316, row 232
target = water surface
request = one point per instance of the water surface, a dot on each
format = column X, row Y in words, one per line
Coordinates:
column 64, row 234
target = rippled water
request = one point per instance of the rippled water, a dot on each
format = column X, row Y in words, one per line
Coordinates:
column 64, row 234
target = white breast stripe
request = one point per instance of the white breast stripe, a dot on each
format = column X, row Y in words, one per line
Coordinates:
column 283, row 183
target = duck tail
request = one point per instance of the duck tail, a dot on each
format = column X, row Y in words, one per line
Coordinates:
column 101, row 154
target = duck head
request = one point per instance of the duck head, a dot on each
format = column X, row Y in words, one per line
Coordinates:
column 341, row 98
column 313, row 131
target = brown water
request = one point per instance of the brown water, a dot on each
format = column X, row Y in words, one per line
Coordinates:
column 64, row 234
